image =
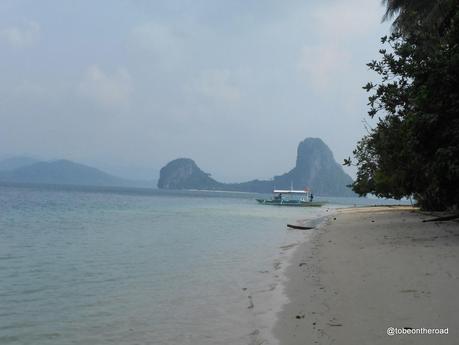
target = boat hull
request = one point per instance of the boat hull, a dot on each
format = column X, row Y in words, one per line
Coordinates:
column 294, row 203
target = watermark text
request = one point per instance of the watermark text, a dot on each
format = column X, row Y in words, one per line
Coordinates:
column 409, row 331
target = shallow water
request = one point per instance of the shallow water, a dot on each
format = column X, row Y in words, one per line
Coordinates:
column 136, row 266
column 102, row 266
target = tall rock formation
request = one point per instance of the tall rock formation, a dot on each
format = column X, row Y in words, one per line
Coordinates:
column 315, row 168
column 183, row 173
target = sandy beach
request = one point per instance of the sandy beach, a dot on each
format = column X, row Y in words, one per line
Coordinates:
column 368, row 269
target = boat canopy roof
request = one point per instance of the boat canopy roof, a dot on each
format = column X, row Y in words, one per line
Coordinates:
column 288, row 191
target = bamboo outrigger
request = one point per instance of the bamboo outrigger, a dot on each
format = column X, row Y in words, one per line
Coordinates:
column 291, row 198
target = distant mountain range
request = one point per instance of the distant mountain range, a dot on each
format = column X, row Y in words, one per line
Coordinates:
column 315, row 168
column 59, row 172
column 16, row 162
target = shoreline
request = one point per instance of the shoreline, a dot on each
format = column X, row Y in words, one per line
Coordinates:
column 367, row 269
column 268, row 301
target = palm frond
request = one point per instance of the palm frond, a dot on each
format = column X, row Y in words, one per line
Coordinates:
column 410, row 14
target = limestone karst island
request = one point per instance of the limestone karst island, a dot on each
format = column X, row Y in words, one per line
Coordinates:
column 315, row 168
column 229, row 172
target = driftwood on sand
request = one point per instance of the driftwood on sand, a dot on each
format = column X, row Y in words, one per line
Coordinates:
column 299, row 227
column 441, row 219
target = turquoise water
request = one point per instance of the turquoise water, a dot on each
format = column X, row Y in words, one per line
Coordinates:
column 118, row 266
column 131, row 266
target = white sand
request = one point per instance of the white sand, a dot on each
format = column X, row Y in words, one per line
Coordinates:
column 368, row 270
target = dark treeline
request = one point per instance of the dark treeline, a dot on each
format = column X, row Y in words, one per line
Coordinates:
column 413, row 150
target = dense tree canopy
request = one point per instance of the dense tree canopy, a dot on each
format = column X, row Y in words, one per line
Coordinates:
column 431, row 15
column 414, row 148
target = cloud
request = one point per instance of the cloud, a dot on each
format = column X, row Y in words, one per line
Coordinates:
column 217, row 85
column 109, row 91
column 195, row 73
column 346, row 19
column 158, row 40
column 322, row 65
column 21, row 37
column 339, row 30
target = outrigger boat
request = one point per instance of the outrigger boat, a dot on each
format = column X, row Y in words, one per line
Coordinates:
column 291, row 198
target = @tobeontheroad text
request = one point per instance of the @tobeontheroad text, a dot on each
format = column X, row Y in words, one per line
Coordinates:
column 408, row 331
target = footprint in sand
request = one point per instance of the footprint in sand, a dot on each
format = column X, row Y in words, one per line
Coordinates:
column 288, row 246
column 251, row 305
column 334, row 323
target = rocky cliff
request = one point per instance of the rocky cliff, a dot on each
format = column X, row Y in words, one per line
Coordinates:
column 315, row 168
column 183, row 173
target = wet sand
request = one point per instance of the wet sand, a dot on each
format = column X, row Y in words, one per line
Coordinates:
column 368, row 269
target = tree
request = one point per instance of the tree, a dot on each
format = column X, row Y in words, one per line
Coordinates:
column 412, row 15
column 414, row 148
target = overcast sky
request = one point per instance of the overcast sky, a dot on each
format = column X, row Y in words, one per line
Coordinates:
column 127, row 86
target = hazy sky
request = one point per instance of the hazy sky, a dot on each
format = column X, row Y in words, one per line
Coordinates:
column 129, row 85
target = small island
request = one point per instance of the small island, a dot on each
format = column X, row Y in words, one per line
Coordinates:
column 315, row 168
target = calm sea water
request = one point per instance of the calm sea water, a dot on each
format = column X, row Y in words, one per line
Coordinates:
column 120, row 266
